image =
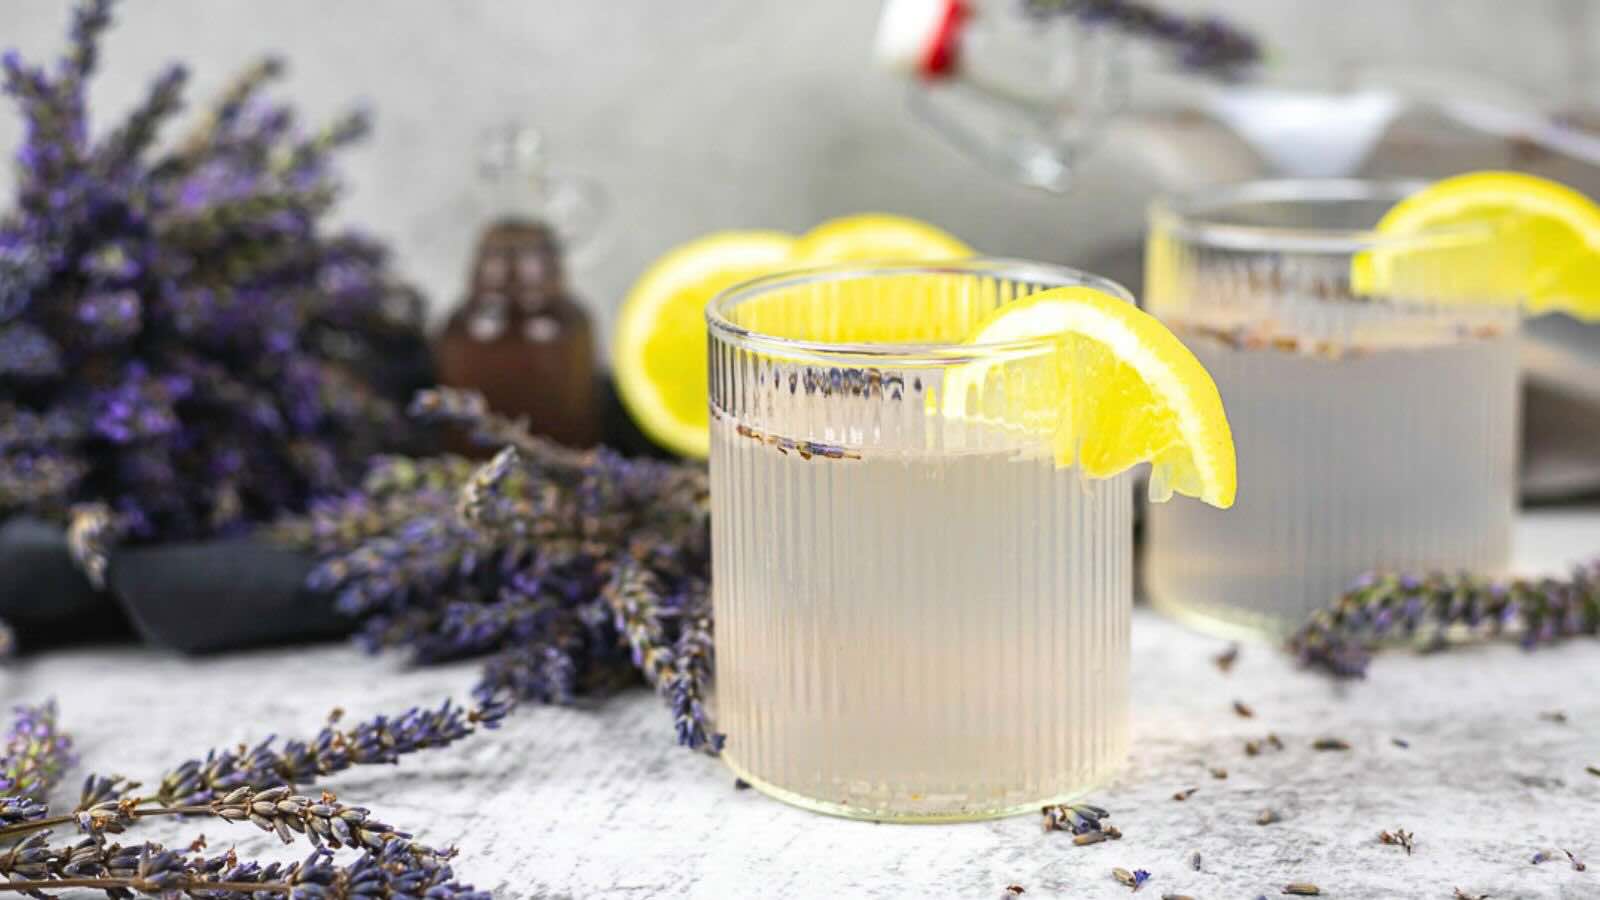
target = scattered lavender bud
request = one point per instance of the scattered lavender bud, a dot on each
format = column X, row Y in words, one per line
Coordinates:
column 1402, row 743
column 1593, row 770
column 1218, row 772
column 1541, row 856
column 1330, row 743
column 1134, row 880
column 1176, row 897
column 1577, row 864
column 1463, row 895
column 1015, row 889
column 1399, row 837
column 1184, row 794
column 1227, row 658
column 1555, row 715
column 1194, row 860
column 739, row 784
column 1077, row 818
column 1266, row 817
column 1243, row 711
column 1302, row 889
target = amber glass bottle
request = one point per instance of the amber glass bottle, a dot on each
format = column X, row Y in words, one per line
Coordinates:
column 519, row 336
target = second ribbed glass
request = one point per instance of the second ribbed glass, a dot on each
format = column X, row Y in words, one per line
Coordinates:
column 1372, row 431
column 919, row 615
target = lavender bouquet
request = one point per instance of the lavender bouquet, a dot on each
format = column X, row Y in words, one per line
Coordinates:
column 570, row 572
column 182, row 338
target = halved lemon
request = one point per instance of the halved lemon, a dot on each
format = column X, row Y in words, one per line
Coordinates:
column 660, row 347
column 1503, row 237
column 1119, row 390
column 876, row 237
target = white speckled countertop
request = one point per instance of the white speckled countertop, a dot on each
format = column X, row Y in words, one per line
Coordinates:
column 599, row 803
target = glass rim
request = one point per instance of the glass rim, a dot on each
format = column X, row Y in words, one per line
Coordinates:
column 1050, row 275
column 1195, row 215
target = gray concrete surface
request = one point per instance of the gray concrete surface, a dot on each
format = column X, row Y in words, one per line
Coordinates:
column 599, row 803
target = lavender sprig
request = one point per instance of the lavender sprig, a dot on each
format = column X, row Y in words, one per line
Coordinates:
column 1436, row 610
column 1203, row 44
column 574, row 571
column 381, row 740
column 36, row 754
column 393, row 872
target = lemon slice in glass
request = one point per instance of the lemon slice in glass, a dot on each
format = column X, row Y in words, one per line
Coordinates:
column 1502, row 237
column 876, row 237
column 659, row 352
column 1119, row 390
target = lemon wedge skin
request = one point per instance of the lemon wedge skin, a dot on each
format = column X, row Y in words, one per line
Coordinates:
column 1124, row 391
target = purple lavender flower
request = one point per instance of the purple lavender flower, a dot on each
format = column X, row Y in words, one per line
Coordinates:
column 182, row 319
column 575, row 572
column 36, row 754
column 1439, row 609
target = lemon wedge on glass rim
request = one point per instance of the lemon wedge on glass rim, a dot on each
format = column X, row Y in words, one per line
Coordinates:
column 1119, row 390
column 1498, row 237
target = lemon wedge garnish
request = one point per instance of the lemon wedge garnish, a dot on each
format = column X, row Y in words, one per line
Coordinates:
column 876, row 237
column 660, row 349
column 1499, row 237
column 1119, row 390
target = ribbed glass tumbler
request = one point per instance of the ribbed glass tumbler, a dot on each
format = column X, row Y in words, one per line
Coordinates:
column 919, row 615
column 1373, row 431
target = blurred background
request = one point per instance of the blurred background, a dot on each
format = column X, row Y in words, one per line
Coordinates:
column 726, row 113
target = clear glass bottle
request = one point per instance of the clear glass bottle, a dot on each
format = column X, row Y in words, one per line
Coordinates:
column 519, row 336
column 1025, row 96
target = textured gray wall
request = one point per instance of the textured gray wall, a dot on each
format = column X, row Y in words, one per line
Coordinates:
column 711, row 114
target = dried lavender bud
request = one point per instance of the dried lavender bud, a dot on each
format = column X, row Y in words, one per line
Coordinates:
column 1302, row 889
column 1243, row 711
column 1267, row 817
column 324, row 821
column 1184, row 794
column 1577, row 864
column 1201, row 44
column 1402, row 743
column 1399, row 837
column 1194, row 860
column 1218, row 773
column 1440, row 609
column 1176, row 897
column 1593, row 770
column 1330, row 743
column 1015, row 889
column 1227, row 658
column 1554, row 715
column 180, row 335
column 1463, row 895
column 1134, row 879
column 36, row 754
column 1078, row 818
column 1090, row 837
column 1542, row 856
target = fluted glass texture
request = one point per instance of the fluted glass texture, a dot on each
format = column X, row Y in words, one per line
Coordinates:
column 1372, row 431
column 919, row 615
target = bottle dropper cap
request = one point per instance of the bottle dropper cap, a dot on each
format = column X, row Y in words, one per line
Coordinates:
column 919, row 37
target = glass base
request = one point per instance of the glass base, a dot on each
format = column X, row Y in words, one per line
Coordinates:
column 868, row 814
column 1253, row 630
